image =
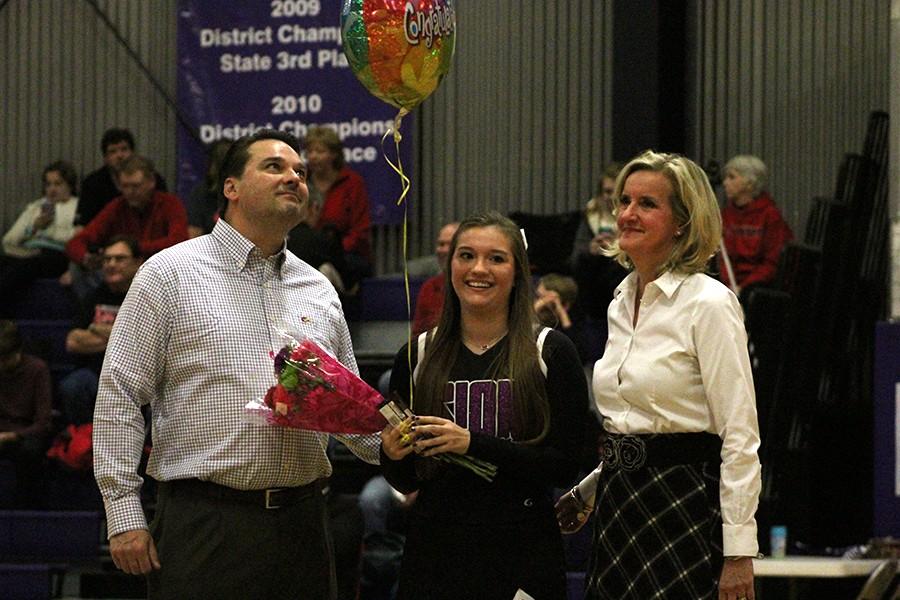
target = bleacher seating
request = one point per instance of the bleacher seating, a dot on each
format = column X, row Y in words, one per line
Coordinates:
column 812, row 337
column 380, row 327
column 37, row 547
column 26, row 582
column 49, row 536
column 44, row 313
column 7, row 483
column 44, row 299
column 384, row 298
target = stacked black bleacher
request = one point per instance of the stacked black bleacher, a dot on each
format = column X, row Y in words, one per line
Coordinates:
column 37, row 548
column 813, row 339
column 44, row 313
column 40, row 548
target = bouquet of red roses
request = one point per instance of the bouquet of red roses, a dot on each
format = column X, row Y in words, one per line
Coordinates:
column 314, row 391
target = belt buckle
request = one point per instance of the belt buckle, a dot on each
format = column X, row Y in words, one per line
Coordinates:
column 631, row 452
column 625, row 452
column 270, row 497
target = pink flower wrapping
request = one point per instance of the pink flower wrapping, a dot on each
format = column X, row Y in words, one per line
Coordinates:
column 316, row 392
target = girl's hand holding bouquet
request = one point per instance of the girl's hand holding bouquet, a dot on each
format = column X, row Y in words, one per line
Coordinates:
column 437, row 435
column 397, row 442
column 434, row 437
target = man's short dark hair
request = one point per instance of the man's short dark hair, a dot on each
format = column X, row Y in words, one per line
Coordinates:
column 10, row 340
column 66, row 171
column 133, row 245
column 238, row 155
column 116, row 135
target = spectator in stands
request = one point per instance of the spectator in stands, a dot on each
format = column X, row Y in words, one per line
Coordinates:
column 753, row 230
column 77, row 391
column 338, row 194
column 319, row 248
column 155, row 219
column 34, row 246
column 596, row 274
column 25, row 407
column 676, row 393
column 203, row 201
column 555, row 306
column 100, row 187
column 517, row 398
column 430, row 300
column 192, row 340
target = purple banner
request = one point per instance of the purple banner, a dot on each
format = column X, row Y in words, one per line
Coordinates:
column 243, row 66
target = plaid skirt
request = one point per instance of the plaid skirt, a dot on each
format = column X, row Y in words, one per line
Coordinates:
column 657, row 533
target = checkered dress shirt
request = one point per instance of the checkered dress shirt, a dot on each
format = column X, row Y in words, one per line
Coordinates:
column 192, row 340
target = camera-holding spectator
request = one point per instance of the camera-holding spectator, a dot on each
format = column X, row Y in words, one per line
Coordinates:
column 34, row 246
column 121, row 259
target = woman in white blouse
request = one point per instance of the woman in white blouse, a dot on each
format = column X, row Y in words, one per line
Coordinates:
column 679, row 481
column 34, row 246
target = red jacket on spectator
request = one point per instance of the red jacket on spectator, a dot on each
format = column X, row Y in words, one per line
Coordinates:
column 346, row 208
column 754, row 235
column 163, row 224
column 429, row 304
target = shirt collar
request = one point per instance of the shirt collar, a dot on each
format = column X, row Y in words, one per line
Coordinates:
column 667, row 283
column 239, row 247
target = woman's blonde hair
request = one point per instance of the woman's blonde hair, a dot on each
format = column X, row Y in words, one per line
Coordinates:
column 694, row 208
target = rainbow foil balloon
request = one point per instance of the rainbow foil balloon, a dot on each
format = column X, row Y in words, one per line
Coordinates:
column 399, row 49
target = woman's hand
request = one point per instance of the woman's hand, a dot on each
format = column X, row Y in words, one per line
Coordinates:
column 736, row 582
column 572, row 512
column 397, row 442
column 435, row 435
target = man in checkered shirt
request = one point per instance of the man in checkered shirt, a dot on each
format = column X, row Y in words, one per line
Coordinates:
column 240, row 510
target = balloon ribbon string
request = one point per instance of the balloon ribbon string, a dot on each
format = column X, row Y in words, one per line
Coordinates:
column 405, row 183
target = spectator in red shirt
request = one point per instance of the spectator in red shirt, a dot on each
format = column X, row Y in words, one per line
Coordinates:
column 338, row 194
column 155, row 219
column 753, row 229
column 430, row 300
column 100, row 187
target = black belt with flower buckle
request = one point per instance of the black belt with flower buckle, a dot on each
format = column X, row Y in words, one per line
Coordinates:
column 270, row 498
column 631, row 452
